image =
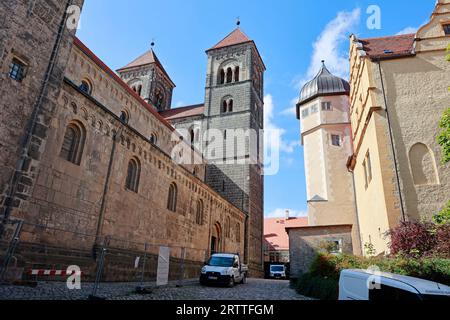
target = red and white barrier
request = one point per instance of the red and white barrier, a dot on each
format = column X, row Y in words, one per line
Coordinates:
column 52, row 273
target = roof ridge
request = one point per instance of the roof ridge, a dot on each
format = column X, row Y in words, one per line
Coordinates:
column 386, row 37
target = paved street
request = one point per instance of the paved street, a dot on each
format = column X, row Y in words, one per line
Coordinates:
column 255, row 289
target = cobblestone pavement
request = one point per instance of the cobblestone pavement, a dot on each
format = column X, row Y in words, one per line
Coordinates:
column 255, row 289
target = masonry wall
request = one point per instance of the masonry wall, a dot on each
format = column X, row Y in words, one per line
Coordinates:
column 29, row 33
column 305, row 243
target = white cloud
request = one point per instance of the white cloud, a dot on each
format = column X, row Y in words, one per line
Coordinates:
column 281, row 213
column 271, row 128
column 408, row 30
column 292, row 110
column 328, row 46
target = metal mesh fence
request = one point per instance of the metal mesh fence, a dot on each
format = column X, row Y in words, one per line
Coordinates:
column 38, row 254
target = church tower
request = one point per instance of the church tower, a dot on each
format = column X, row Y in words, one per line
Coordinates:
column 234, row 106
column 147, row 76
column 327, row 139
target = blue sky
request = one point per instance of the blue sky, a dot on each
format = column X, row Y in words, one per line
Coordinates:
column 292, row 36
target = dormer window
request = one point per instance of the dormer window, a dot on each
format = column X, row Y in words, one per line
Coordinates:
column 446, row 29
column 17, row 70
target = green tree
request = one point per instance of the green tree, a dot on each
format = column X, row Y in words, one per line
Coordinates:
column 444, row 136
column 443, row 217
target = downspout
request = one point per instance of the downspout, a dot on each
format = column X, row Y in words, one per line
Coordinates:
column 391, row 137
column 101, row 216
column 357, row 211
column 9, row 202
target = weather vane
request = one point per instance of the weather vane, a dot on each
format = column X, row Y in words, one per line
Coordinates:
column 152, row 44
column 238, row 21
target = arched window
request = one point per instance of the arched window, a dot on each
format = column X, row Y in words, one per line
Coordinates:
column 229, row 75
column 86, row 87
column 236, row 74
column 196, row 171
column 230, row 105
column 124, row 117
column 224, row 106
column 423, row 165
column 172, row 200
column 192, row 135
column 238, row 232
column 73, row 143
column 228, row 227
column 199, row 213
column 222, row 76
column 133, row 175
column 139, row 89
column 153, row 139
column 159, row 99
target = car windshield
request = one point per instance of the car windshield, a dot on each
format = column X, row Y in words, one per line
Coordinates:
column 220, row 262
column 277, row 268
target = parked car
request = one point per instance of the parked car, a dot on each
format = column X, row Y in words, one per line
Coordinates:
column 278, row 271
column 225, row 269
column 381, row 286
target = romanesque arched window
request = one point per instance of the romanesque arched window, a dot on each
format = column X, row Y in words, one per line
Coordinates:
column 139, row 90
column 238, row 232
column 423, row 165
column 228, row 227
column 224, row 106
column 172, row 199
column 229, row 75
column 73, row 143
column 159, row 100
column 192, row 135
column 236, row 74
column 222, row 76
column 133, row 175
column 154, row 139
column 230, row 105
column 199, row 213
column 124, row 116
column 86, row 86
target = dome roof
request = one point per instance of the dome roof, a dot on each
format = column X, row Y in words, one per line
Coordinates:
column 324, row 83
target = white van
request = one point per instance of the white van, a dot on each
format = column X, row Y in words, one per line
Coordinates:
column 381, row 286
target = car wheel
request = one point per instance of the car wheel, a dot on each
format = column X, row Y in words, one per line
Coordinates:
column 231, row 284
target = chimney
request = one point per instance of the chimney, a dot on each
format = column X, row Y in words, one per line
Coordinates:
column 287, row 215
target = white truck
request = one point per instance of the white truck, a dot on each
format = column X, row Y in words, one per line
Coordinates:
column 370, row 285
column 224, row 268
column 278, row 271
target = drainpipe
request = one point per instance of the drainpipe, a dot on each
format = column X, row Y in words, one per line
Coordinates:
column 352, row 172
column 101, row 216
column 391, row 138
column 32, row 122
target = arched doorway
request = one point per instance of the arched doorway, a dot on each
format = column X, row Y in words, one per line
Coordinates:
column 216, row 238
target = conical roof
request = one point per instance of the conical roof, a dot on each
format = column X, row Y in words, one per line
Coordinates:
column 324, row 83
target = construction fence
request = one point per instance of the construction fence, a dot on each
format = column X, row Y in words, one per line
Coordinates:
column 35, row 253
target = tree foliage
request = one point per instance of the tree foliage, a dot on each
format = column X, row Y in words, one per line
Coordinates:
column 444, row 137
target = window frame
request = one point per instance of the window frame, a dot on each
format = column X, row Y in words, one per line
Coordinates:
column 172, row 198
column 74, row 152
column 339, row 141
column 17, row 69
column 305, row 113
column 446, row 27
column 133, row 176
column 327, row 106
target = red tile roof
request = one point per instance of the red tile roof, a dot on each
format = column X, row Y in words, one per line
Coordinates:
column 389, row 47
column 147, row 58
column 105, row 68
column 234, row 38
column 275, row 231
column 183, row 112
